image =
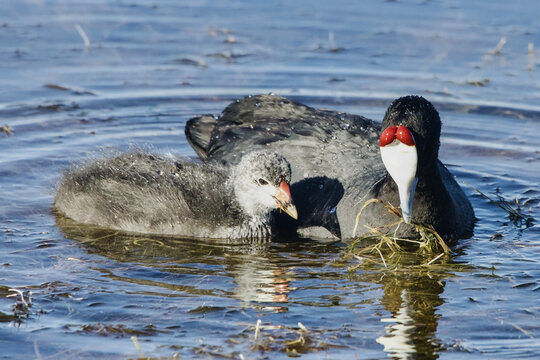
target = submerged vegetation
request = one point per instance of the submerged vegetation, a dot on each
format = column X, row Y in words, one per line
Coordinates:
column 21, row 307
column 268, row 338
column 515, row 215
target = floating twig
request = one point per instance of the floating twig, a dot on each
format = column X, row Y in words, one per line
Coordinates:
column 36, row 351
column 382, row 257
column 6, row 130
column 333, row 47
column 21, row 294
column 84, row 37
column 515, row 215
column 389, row 207
column 21, row 308
column 137, row 346
column 499, row 46
column 435, row 259
column 532, row 56
column 257, row 329
column 522, row 330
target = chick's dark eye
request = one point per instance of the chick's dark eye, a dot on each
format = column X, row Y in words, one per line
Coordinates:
column 263, row 182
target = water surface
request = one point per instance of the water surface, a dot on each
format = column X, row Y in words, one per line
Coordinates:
column 82, row 77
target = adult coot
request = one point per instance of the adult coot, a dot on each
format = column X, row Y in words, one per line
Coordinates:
column 337, row 165
column 145, row 193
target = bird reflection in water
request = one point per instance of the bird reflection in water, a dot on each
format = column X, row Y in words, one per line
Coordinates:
column 412, row 295
column 397, row 341
column 261, row 280
column 260, row 276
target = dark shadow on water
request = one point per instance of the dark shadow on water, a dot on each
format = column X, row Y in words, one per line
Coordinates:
column 262, row 275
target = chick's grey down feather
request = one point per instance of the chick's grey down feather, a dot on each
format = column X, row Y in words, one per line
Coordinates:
column 148, row 193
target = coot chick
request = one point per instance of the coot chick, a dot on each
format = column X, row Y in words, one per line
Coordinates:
column 346, row 150
column 147, row 193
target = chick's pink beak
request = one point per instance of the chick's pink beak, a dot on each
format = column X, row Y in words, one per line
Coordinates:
column 284, row 200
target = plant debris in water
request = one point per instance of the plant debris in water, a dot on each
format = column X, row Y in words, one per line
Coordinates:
column 67, row 88
column 480, row 83
column 6, row 130
column 117, row 330
column 516, row 214
column 23, row 303
column 268, row 338
column 498, row 48
column 374, row 241
column 430, row 241
column 191, row 62
column 532, row 57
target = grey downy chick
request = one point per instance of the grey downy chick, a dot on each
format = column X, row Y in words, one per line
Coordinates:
column 154, row 194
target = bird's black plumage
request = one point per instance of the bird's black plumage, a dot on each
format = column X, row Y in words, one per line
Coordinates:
column 343, row 149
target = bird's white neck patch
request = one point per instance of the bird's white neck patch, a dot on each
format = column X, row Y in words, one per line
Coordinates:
column 401, row 161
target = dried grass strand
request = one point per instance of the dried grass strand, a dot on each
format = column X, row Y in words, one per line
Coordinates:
column 389, row 207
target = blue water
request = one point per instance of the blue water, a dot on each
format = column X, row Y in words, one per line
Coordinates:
column 81, row 77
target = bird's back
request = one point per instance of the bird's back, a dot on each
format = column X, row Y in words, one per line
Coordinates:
column 147, row 193
column 335, row 162
column 334, row 155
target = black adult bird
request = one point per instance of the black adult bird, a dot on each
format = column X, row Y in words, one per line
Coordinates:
column 337, row 167
column 145, row 193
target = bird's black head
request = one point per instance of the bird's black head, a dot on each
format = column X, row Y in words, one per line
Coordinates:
column 422, row 119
